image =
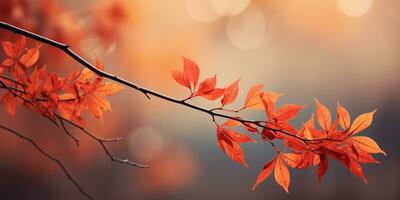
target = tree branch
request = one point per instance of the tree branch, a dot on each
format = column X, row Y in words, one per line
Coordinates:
column 147, row 92
column 50, row 157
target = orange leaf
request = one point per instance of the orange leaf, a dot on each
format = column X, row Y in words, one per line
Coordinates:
column 282, row 175
column 362, row 122
column 215, row 94
column 287, row 112
column 19, row 46
column 235, row 136
column 231, row 122
column 180, row 78
column 231, row 148
column 108, row 89
column 323, row 116
column 366, row 144
column 191, row 71
column 8, row 49
column 230, row 93
column 355, row 168
column 10, row 103
column 30, row 57
column 253, row 99
column 265, row 173
column 269, row 99
column 8, row 62
column 343, row 117
column 291, row 159
column 207, row 86
column 322, row 167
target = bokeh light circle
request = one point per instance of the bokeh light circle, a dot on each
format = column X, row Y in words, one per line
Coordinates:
column 354, row 8
column 145, row 143
column 201, row 11
column 229, row 7
column 247, row 30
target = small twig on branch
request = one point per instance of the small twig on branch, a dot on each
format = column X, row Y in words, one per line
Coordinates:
column 67, row 132
column 102, row 142
column 50, row 157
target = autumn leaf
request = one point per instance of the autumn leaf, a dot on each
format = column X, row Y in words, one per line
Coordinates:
column 253, row 100
column 214, row 94
column 366, row 144
column 292, row 159
column 343, row 117
column 362, row 122
column 8, row 49
column 108, row 89
column 355, row 168
column 322, row 167
column 237, row 137
column 269, row 99
column 180, row 78
column 191, row 71
column 30, row 57
column 231, row 147
column 266, row 172
column 282, row 175
column 231, row 122
column 10, row 103
column 323, row 116
column 230, row 93
column 206, row 86
column 287, row 112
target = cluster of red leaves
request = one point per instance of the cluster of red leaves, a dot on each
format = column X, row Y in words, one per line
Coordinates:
column 101, row 28
column 25, row 82
column 309, row 146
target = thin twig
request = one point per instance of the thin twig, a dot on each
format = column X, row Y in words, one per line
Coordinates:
column 67, row 132
column 102, row 142
column 50, row 157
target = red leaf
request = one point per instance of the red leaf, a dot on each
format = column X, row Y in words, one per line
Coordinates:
column 231, row 122
column 30, row 57
column 230, row 93
column 253, row 99
column 269, row 99
column 292, row 159
column 215, row 94
column 366, row 144
column 8, row 49
column 8, row 62
column 323, row 116
column 237, row 137
column 343, row 117
column 362, row 122
column 266, row 172
column 180, row 78
column 282, row 175
column 355, row 168
column 322, row 167
column 191, row 71
column 108, row 89
column 10, row 103
column 287, row 112
column 231, row 148
column 207, row 86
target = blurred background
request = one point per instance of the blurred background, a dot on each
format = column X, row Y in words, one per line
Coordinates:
column 335, row 50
